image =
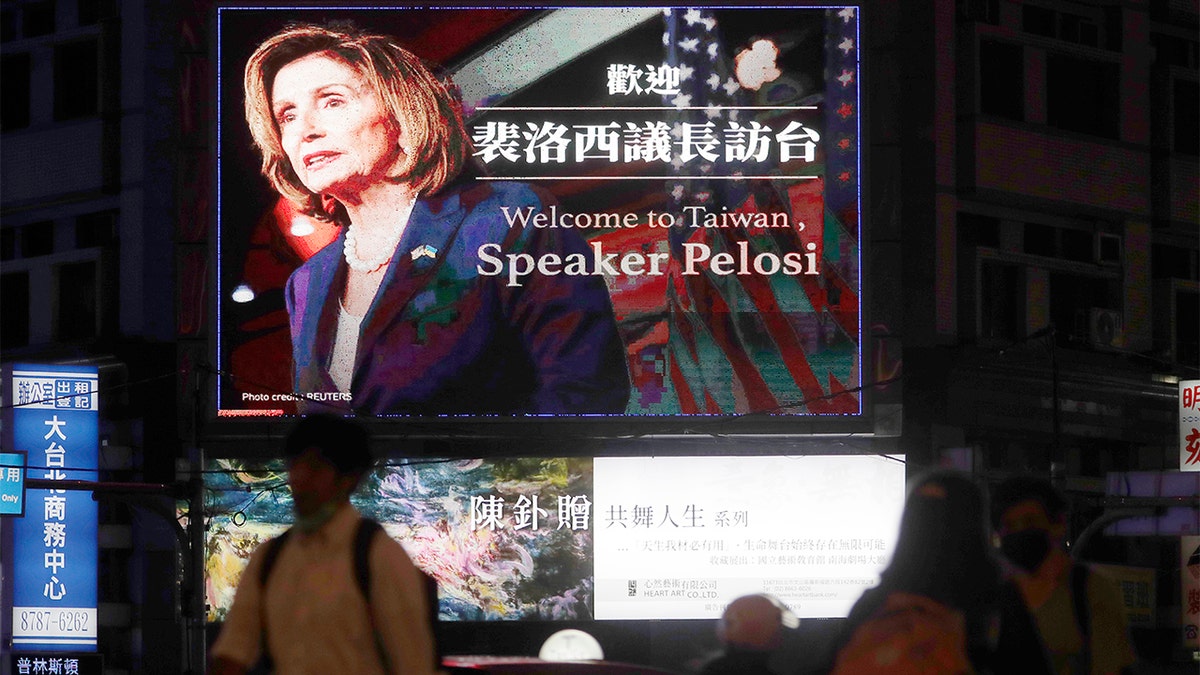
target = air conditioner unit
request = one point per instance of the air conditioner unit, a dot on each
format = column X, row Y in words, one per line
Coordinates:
column 1105, row 328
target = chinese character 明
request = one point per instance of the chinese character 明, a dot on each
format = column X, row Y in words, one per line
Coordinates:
column 486, row 512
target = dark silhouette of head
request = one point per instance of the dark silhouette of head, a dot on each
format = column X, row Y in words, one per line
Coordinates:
column 337, row 440
column 943, row 550
column 1016, row 489
column 754, row 623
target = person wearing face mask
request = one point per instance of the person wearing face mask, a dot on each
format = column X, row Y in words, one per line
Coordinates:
column 1077, row 611
column 306, row 614
column 942, row 604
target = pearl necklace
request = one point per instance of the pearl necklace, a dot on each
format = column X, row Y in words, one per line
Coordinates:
column 370, row 265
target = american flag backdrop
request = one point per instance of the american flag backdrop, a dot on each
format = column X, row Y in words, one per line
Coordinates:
column 766, row 343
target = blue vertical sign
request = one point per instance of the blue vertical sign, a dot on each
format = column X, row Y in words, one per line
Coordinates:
column 56, row 424
column 12, row 483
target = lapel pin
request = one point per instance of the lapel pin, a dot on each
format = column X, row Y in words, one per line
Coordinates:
column 424, row 251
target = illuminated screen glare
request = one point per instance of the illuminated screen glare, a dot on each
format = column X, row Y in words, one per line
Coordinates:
column 604, row 538
column 697, row 169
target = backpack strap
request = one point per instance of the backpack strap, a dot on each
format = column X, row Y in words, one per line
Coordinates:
column 362, row 555
column 363, row 535
column 271, row 551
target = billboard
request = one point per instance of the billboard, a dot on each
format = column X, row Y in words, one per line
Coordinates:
column 654, row 214
column 604, row 538
column 55, row 421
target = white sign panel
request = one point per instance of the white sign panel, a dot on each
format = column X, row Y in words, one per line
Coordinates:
column 681, row 537
column 1189, row 425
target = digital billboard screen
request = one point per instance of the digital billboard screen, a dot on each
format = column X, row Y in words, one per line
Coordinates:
column 599, row 538
column 600, row 212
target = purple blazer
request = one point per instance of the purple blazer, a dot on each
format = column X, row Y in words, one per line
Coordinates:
column 442, row 339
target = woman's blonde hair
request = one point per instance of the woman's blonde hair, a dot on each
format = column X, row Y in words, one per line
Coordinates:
column 438, row 146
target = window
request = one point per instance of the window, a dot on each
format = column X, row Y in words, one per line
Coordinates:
column 77, row 298
column 1071, row 243
column 1187, row 327
column 38, row 18
column 76, row 79
column 1002, row 79
column 1072, row 297
column 1040, row 240
column 8, row 25
column 92, row 12
column 14, row 297
column 8, row 243
column 37, row 239
column 1172, row 262
column 1079, row 29
column 1038, row 20
column 14, row 104
column 96, row 229
column 1186, row 107
column 1001, row 301
column 1108, row 249
column 983, row 11
column 1076, row 245
column 979, row 230
column 1170, row 50
column 1082, row 95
